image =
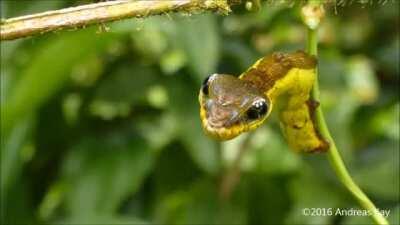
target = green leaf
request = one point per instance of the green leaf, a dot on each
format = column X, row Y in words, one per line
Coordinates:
column 104, row 219
column 201, row 147
column 17, row 204
column 48, row 71
column 383, row 178
column 174, row 171
column 172, row 61
column 199, row 39
column 268, row 199
column 101, row 174
column 386, row 122
column 388, row 56
column 15, row 8
column 11, row 152
column 150, row 41
column 158, row 130
column 200, row 205
column 124, row 89
column 127, row 84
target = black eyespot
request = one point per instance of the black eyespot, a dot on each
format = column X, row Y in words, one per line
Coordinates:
column 257, row 110
column 205, row 85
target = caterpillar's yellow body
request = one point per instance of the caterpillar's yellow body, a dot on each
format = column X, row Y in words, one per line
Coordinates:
column 230, row 105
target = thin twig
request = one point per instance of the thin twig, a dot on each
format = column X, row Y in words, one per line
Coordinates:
column 313, row 8
column 232, row 175
column 98, row 13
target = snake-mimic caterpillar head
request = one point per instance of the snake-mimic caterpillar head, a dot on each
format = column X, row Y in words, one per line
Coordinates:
column 230, row 106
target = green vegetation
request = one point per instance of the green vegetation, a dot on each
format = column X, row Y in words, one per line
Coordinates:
column 103, row 127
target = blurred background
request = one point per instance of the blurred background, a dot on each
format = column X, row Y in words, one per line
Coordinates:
column 101, row 125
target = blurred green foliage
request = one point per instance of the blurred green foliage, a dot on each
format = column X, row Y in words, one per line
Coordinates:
column 102, row 127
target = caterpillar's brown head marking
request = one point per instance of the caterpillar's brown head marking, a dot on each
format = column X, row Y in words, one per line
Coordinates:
column 230, row 106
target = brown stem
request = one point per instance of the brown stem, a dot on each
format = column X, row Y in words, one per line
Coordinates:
column 232, row 175
column 98, row 13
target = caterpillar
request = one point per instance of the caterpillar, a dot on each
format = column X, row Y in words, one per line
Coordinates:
column 232, row 105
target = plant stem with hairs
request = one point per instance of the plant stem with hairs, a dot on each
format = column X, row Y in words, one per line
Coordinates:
column 312, row 14
column 99, row 13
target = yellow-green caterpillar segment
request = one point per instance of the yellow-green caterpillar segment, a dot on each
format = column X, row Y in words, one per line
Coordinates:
column 230, row 106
